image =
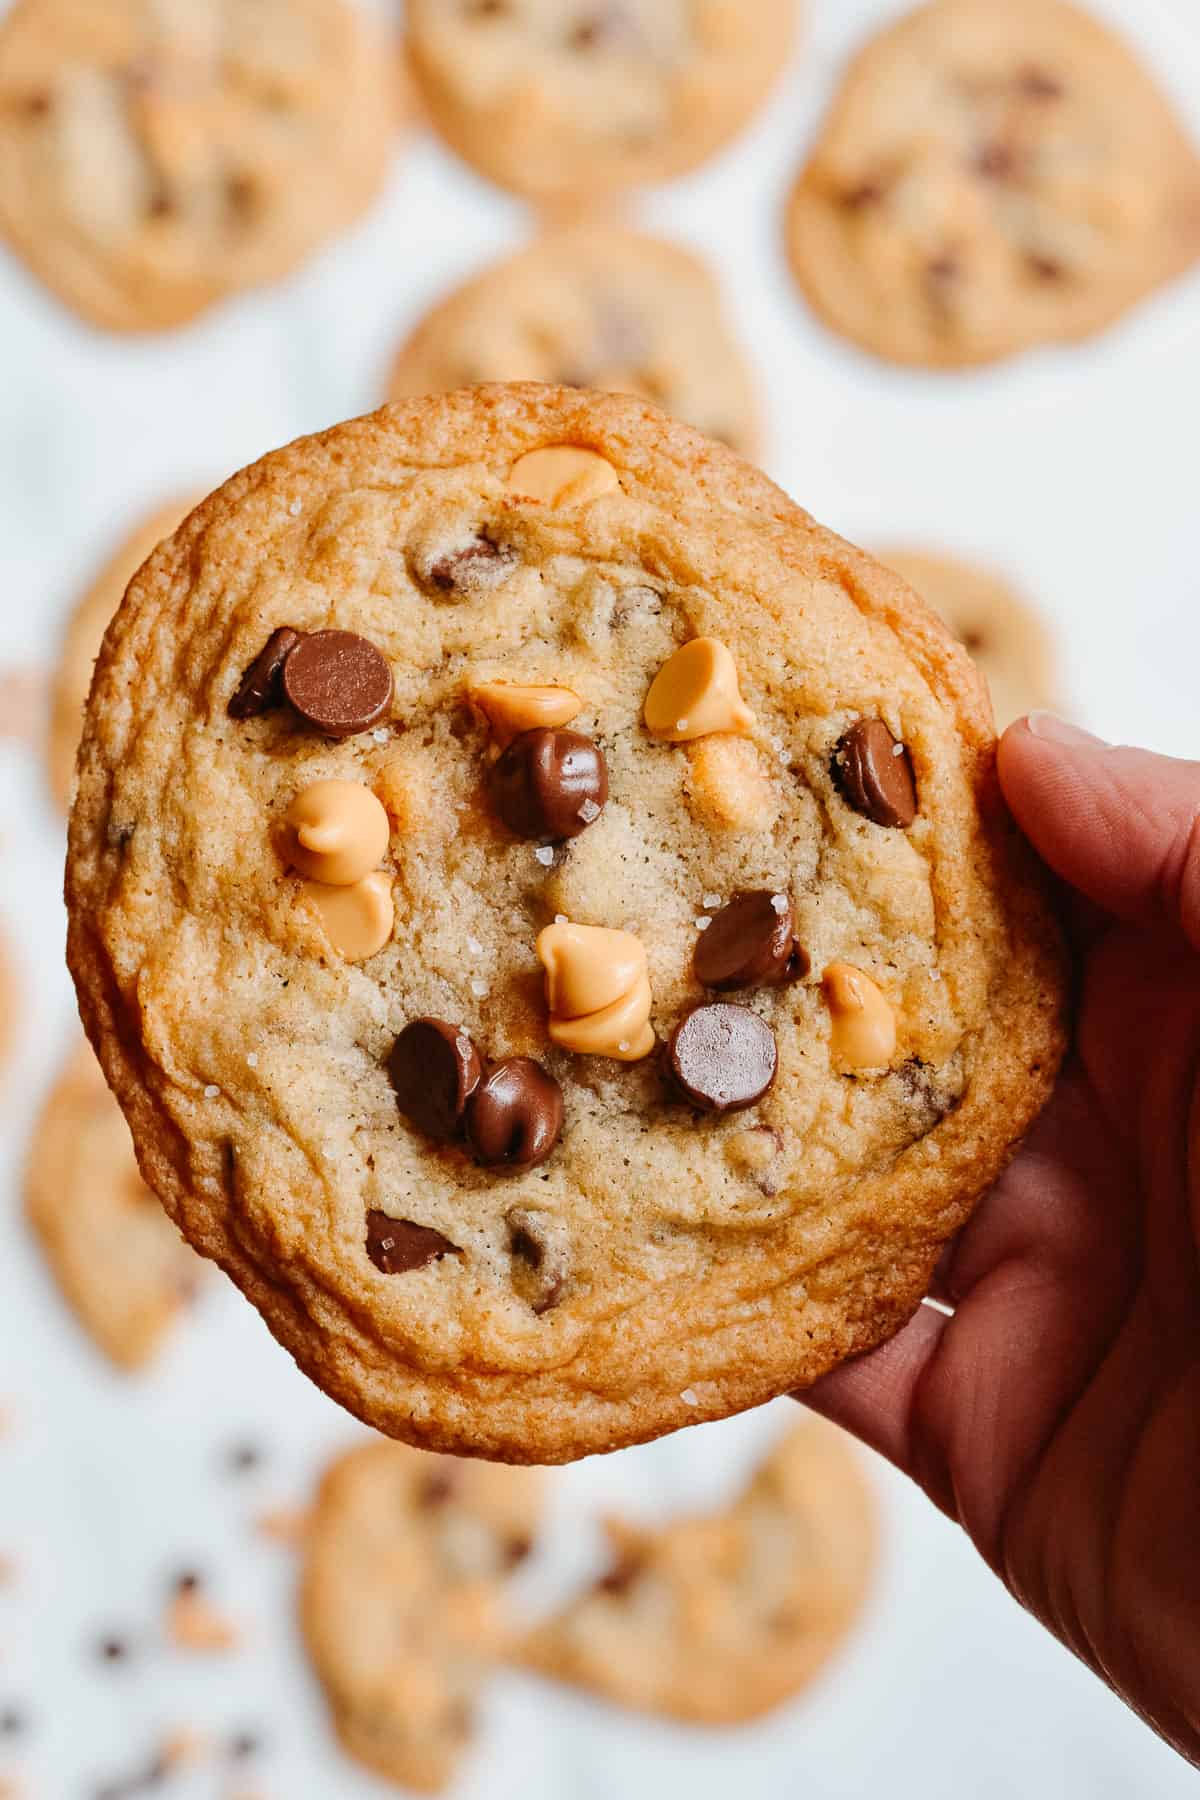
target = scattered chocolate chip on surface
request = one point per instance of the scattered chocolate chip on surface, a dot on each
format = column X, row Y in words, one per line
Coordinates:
column 550, row 784
column 874, row 775
column 338, row 681
column 261, row 685
column 723, row 1057
column 514, row 1118
column 434, row 1069
column 397, row 1246
column 750, row 943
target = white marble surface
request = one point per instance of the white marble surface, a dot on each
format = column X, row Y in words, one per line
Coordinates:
column 1075, row 471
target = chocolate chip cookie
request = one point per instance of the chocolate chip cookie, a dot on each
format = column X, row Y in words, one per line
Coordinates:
column 81, row 643
column 120, row 1264
column 720, row 1618
column 1006, row 637
column 994, row 175
column 156, row 157
column 406, row 1556
column 417, row 765
column 586, row 98
column 594, row 307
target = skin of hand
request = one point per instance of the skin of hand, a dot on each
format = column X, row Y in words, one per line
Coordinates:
column 1056, row 1414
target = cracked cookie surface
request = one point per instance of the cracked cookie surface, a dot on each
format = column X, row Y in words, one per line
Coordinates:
column 156, row 156
column 566, row 101
column 594, row 307
column 719, row 1618
column 120, row 1264
column 545, row 1263
column 406, row 1556
column 993, row 175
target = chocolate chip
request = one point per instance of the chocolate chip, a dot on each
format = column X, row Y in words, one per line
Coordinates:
column 243, row 1745
column 541, row 1260
column 723, row 1057
column 338, row 681
column 621, row 1577
column 260, row 686
column 397, row 1246
column 942, row 271
column 112, row 1649
column 514, row 1117
column 750, row 943
column 476, row 568
column 242, row 1458
column 187, row 1582
column 434, row 1069
column 973, row 640
column 517, row 1549
column 610, row 27
column 1046, row 268
column 550, row 784
column 1037, row 84
column 241, row 196
column 436, row 1489
column 858, row 198
column 38, row 104
column 996, row 162
column 12, row 1721
column 874, row 775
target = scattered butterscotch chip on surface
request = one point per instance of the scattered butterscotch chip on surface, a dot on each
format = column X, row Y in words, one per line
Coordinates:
column 283, row 1525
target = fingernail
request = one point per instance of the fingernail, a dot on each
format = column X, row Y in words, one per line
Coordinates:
column 1048, row 725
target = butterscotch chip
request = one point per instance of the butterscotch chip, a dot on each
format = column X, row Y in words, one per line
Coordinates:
column 513, row 707
column 402, row 1267
column 696, row 693
column 194, row 1624
column 155, row 159
column 401, row 1601
column 562, row 475
column 993, row 175
column 357, row 919
column 719, row 1618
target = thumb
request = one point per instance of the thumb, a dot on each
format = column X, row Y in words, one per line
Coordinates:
column 1121, row 825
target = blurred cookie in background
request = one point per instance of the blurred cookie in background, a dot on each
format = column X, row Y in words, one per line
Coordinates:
column 10, row 1000
column 593, row 306
column 121, row 1265
column 81, row 641
column 1005, row 635
column 993, row 175
column 719, row 1618
column 154, row 159
column 584, row 98
column 406, row 1554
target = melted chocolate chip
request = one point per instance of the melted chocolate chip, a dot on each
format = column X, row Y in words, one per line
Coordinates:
column 541, row 1262
column 550, row 784
column 434, row 1069
column 338, row 681
column 396, row 1246
column 723, row 1057
column 514, row 1117
column 476, row 568
column 874, row 775
column 261, row 685
column 750, row 943
column 1046, row 268
column 621, row 1577
column 517, row 1549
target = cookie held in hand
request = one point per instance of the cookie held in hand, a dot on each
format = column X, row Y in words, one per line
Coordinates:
column 507, row 1159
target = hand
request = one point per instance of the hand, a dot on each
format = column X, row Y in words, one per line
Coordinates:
column 1056, row 1414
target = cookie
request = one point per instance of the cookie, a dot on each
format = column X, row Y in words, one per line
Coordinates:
column 994, row 175
column 584, row 99
column 594, row 307
column 1006, row 637
column 81, row 643
column 10, row 999
column 156, row 158
column 720, row 1618
column 416, row 766
column 406, row 1556
column 120, row 1264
